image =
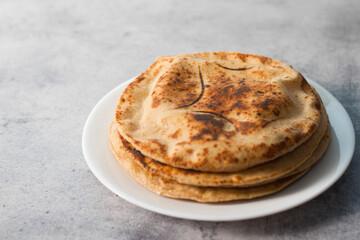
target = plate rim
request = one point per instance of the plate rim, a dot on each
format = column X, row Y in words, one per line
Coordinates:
column 172, row 213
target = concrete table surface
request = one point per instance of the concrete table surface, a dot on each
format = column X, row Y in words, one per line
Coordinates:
column 58, row 58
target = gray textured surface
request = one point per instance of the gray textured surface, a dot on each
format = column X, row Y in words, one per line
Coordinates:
column 58, row 58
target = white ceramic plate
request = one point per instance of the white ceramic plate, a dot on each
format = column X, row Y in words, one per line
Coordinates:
column 100, row 160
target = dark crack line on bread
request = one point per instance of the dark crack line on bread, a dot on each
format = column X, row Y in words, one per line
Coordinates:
column 216, row 114
column 201, row 94
column 234, row 69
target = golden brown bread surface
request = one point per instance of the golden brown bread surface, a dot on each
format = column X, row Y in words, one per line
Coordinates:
column 217, row 112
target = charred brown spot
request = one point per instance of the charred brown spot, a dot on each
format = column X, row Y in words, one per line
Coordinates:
column 265, row 104
column 265, row 60
column 182, row 143
column 161, row 146
column 312, row 128
column 274, row 149
column 240, row 105
column 189, row 151
column 276, row 112
column 241, row 90
column 225, row 90
column 209, row 119
column 246, row 127
column 204, row 132
column 298, row 137
column 206, row 151
column 140, row 78
column 242, row 56
column 175, row 159
column 155, row 101
column 225, row 157
column 210, row 105
column 200, row 135
column 175, row 134
column 233, row 160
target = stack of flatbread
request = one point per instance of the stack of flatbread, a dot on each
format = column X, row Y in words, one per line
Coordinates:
column 219, row 126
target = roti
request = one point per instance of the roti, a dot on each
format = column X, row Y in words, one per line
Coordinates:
column 173, row 189
column 217, row 112
column 256, row 175
column 289, row 164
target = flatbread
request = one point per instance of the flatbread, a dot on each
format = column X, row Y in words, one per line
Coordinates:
column 286, row 165
column 217, row 112
column 173, row 189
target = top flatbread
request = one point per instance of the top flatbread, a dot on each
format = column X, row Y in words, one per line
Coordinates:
column 217, row 112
